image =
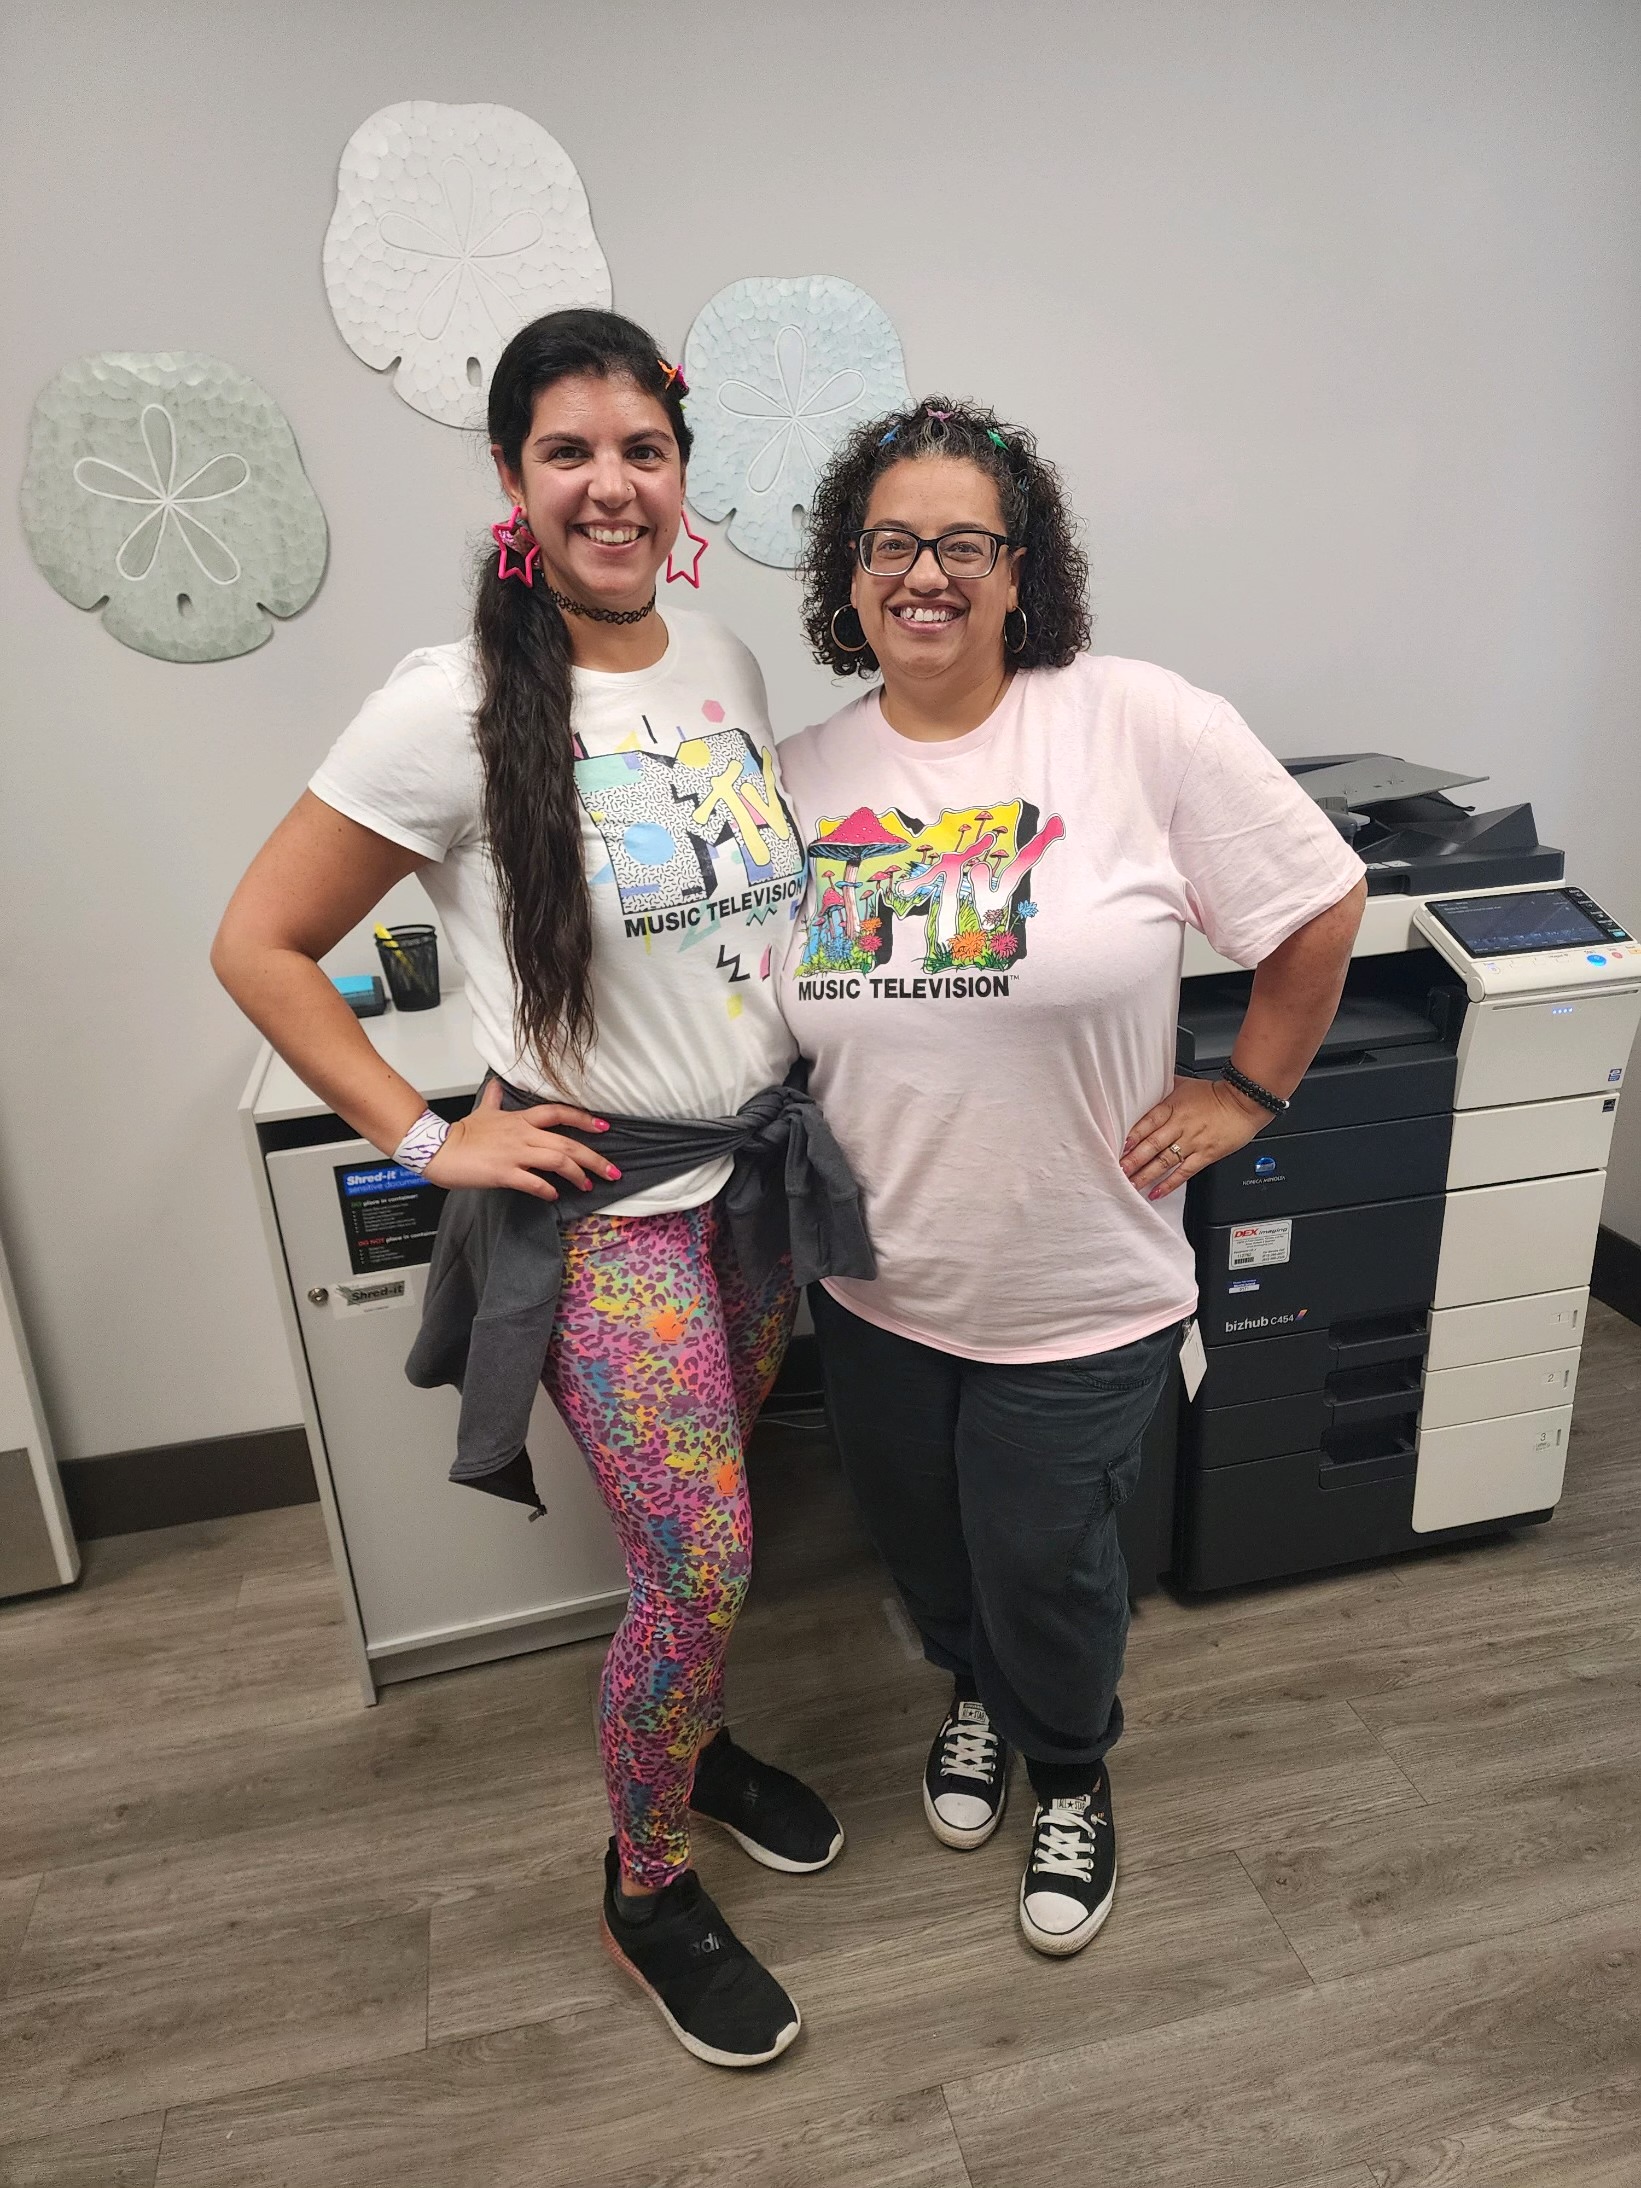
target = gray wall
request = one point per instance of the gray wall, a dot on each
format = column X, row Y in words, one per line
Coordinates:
column 1329, row 309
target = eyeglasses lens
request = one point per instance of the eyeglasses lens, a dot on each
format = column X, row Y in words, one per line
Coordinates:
column 967, row 554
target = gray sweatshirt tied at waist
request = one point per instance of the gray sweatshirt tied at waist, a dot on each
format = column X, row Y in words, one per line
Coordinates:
column 498, row 1261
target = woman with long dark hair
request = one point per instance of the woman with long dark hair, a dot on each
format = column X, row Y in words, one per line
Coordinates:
column 1009, row 837
column 587, row 789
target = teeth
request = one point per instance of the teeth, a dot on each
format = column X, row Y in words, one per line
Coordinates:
column 927, row 615
column 606, row 536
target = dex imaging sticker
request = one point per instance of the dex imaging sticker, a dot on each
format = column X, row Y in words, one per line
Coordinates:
column 1261, row 1245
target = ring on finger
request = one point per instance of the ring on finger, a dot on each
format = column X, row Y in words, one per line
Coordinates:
column 1175, row 1149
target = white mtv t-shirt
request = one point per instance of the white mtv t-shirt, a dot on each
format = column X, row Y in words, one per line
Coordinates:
column 987, row 979
column 694, row 861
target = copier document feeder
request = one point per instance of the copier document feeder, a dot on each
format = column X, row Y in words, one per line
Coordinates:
column 1394, row 1274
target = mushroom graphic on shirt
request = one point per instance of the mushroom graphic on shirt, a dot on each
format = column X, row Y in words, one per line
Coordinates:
column 837, row 938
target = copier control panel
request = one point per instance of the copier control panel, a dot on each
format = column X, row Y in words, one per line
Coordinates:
column 1526, row 941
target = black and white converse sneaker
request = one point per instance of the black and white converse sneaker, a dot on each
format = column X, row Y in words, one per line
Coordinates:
column 1071, row 1872
column 719, row 2002
column 966, row 1779
column 770, row 1814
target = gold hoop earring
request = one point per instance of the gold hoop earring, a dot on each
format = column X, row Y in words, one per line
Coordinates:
column 1025, row 630
column 864, row 645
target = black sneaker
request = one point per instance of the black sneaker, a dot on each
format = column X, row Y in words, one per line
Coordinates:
column 770, row 1814
column 719, row 2002
column 1071, row 1872
column 966, row 1779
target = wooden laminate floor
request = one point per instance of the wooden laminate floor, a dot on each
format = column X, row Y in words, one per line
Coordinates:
column 1379, row 1918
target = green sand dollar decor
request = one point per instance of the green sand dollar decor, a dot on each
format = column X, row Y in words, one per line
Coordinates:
column 169, row 487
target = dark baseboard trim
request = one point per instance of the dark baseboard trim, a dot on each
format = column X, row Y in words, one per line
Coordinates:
column 1616, row 1277
column 173, row 1484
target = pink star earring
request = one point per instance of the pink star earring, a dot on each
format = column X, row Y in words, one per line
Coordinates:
column 692, row 574
column 510, row 537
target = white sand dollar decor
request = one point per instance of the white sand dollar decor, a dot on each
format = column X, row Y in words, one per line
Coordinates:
column 454, row 226
column 779, row 370
column 169, row 486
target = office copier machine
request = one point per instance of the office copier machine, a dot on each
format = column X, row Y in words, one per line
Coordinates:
column 1394, row 1274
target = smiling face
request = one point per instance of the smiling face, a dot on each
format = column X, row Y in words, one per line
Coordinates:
column 925, row 625
column 602, row 484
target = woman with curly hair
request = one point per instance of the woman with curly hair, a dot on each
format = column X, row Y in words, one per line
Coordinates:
column 1008, row 837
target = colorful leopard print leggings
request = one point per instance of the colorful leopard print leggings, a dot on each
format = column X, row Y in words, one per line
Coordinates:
column 660, row 1358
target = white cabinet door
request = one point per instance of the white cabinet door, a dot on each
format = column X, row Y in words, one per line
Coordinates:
column 1498, row 1329
column 1530, row 1140
column 1543, row 1047
column 1490, row 1469
column 431, row 1563
column 1527, row 1384
column 1504, row 1241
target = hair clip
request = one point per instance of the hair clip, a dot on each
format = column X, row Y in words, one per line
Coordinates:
column 889, row 436
column 993, row 435
column 509, row 537
column 673, row 375
column 943, row 415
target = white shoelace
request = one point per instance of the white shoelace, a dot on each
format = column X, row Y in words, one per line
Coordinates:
column 1067, row 1839
column 969, row 1753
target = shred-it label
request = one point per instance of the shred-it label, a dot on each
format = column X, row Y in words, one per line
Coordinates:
column 1261, row 1245
column 390, row 1216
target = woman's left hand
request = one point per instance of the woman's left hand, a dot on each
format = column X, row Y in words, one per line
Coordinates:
column 1197, row 1122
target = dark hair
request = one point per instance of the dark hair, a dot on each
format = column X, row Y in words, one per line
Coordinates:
column 1053, row 575
column 532, row 815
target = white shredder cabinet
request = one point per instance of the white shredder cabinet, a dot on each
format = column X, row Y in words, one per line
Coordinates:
column 37, row 1547
column 432, row 1575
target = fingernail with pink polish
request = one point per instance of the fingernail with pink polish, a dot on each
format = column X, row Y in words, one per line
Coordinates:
column 614, row 1172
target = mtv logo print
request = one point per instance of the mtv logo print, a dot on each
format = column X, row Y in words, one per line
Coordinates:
column 664, row 820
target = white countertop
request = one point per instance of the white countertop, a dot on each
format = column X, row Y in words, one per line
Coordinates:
column 433, row 1049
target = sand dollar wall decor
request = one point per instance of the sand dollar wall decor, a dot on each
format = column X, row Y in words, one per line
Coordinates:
column 454, row 226
column 170, row 487
column 778, row 371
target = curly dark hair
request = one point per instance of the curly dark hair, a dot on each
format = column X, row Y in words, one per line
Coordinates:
column 1053, row 573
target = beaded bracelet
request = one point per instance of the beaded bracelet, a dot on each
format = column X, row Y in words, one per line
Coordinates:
column 1275, row 1103
column 422, row 1142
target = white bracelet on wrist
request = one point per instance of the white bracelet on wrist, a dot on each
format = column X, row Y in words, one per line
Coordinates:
column 422, row 1142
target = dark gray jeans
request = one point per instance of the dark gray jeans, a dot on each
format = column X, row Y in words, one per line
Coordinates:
column 991, row 1494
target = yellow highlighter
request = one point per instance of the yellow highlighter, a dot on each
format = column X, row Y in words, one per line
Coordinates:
column 385, row 939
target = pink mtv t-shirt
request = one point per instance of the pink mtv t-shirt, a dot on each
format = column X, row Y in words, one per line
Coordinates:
column 985, row 980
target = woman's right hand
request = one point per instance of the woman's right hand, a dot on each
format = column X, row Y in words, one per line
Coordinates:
column 496, row 1146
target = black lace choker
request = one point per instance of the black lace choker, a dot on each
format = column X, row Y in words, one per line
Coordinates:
column 567, row 606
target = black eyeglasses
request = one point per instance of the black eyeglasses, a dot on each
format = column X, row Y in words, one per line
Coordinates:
column 888, row 550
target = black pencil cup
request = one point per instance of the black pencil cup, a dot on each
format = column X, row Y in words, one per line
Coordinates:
column 411, row 967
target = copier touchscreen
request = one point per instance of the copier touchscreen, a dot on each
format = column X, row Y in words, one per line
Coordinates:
column 1536, row 919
